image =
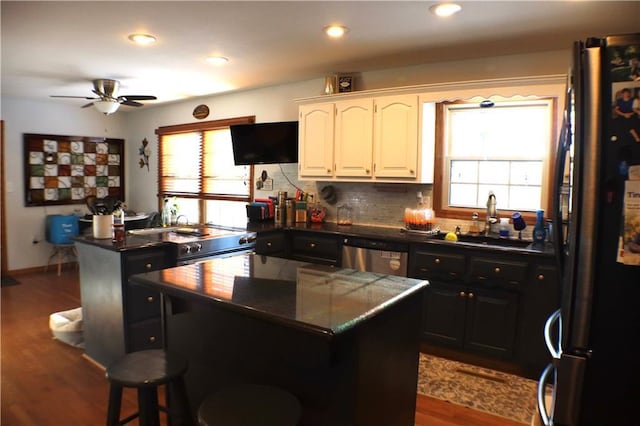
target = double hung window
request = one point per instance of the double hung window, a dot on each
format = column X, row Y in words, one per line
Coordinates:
column 504, row 147
column 198, row 174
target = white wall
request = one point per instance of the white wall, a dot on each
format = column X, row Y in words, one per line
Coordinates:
column 24, row 224
column 267, row 104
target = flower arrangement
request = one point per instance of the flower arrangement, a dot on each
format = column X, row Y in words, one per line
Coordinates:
column 145, row 152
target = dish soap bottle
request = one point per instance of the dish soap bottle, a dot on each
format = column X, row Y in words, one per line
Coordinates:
column 539, row 231
column 166, row 213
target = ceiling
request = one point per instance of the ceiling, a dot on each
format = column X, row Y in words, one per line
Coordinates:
column 58, row 48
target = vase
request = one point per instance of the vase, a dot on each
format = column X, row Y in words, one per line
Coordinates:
column 102, row 226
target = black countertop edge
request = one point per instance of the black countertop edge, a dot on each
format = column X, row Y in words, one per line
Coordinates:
column 393, row 234
column 145, row 280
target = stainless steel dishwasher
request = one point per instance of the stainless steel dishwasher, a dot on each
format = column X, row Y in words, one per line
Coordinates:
column 370, row 255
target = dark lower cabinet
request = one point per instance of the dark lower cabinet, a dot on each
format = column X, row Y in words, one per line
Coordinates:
column 119, row 317
column 471, row 319
column 272, row 243
column 315, row 247
column 487, row 304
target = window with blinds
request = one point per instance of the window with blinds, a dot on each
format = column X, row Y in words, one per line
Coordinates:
column 196, row 169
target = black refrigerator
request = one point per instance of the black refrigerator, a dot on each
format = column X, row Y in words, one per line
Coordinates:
column 593, row 338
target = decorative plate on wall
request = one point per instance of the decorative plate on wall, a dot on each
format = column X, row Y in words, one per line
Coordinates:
column 201, row 111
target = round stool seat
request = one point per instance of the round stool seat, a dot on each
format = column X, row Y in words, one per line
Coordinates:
column 145, row 371
column 147, row 368
column 250, row 405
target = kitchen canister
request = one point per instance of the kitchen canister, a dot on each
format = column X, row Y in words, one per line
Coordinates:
column 102, row 226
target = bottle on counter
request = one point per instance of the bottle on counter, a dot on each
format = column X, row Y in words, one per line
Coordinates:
column 474, row 229
column 504, row 227
column 166, row 213
column 539, row 229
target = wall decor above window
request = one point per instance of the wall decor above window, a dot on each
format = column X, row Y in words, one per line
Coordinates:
column 67, row 169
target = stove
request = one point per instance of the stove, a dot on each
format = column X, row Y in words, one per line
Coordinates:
column 197, row 243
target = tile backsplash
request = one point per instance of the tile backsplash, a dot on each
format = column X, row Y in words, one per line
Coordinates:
column 372, row 204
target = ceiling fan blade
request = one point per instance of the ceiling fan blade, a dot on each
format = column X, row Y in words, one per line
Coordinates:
column 131, row 103
column 138, row 98
column 77, row 97
column 102, row 95
column 87, row 105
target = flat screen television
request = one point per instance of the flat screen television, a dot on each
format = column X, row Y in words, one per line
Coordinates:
column 265, row 143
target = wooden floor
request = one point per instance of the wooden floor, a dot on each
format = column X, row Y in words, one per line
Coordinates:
column 46, row 382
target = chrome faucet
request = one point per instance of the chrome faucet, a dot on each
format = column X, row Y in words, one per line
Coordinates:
column 186, row 220
column 492, row 212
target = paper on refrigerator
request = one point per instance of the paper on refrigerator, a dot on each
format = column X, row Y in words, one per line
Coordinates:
column 631, row 231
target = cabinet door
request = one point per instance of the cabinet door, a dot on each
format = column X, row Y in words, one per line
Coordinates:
column 491, row 322
column 316, row 140
column 315, row 248
column 272, row 244
column 354, row 138
column 396, row 136
column 444, row 314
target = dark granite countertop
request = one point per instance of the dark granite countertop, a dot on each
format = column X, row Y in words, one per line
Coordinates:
column 397, row 234
column 131, row 242
column 314, row 298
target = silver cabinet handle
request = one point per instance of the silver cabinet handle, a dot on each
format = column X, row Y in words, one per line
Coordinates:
column 147, row 266
column 150, row 299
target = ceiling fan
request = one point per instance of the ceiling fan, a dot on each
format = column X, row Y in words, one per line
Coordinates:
column 108, row 101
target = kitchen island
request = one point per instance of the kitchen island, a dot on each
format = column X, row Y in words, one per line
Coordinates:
column 346, row 343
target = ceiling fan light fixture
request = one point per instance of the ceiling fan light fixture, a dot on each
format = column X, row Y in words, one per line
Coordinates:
column 335, row 31
column 444, row 10
column 217, row 60
column 107, row 107
column 142, row 39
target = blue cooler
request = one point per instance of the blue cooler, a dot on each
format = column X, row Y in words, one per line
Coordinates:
column 60, row 228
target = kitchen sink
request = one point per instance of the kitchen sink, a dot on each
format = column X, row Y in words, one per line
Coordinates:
column 488, row 240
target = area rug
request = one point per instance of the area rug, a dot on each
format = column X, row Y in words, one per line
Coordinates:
column 7, row 281
column 481, row 389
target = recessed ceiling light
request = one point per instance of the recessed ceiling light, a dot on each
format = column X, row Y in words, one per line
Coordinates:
column 142, row 39
column 445, row 9
column 217, row 60
column 335, row 31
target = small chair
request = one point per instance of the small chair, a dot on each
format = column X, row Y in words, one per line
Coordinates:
column 145, row 371
column 59, row 230
column 250, row 404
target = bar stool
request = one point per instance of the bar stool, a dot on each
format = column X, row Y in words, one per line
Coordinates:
column 145, row 371
column 250, row 404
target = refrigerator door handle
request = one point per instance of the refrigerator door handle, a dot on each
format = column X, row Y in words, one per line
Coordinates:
column 546, row 416
column 553, row 318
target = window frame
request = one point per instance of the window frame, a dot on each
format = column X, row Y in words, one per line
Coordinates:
column 440, row 193
column 200, row 127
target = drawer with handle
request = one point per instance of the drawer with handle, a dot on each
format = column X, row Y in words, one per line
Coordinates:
column 443, row 266
column 499, row 272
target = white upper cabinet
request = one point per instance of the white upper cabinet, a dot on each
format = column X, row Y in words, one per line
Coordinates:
column 370, row 139
column 396, row 136
column 353, row 138
column 315, row 151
